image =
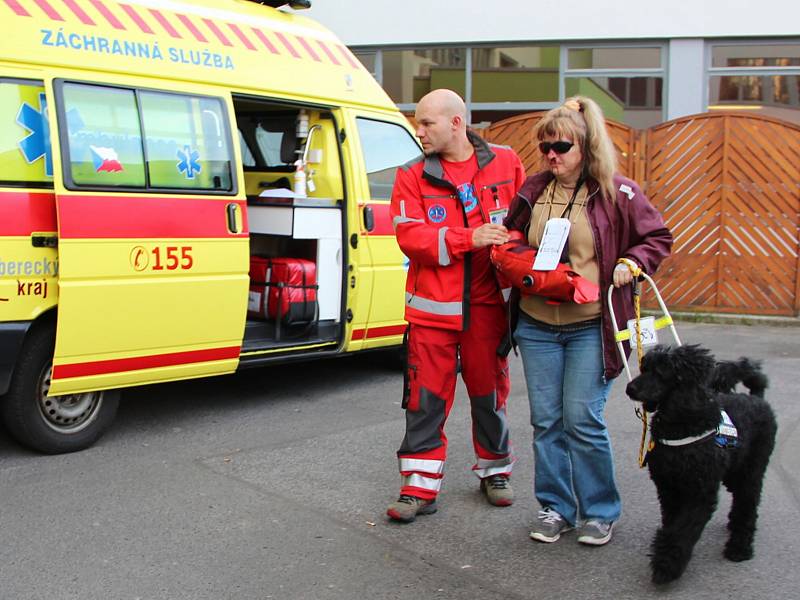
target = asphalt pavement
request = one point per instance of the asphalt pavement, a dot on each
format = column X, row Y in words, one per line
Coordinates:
column 273, row 483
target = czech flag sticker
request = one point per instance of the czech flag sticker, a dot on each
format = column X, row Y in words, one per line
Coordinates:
column 105, row 159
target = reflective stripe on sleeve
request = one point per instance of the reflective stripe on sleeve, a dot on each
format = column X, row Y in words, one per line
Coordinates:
column 444, row 256
column 398, row 220
column 445, row 309
column 418, row 481
column 421, row 465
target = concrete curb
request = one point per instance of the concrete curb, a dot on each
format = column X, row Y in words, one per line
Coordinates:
column 731, row 319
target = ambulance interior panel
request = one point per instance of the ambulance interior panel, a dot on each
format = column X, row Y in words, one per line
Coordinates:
column 291, row 216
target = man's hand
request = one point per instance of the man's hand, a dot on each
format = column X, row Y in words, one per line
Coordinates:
column 488, row 234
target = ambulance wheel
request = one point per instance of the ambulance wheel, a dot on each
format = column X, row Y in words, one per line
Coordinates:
column 57, row 424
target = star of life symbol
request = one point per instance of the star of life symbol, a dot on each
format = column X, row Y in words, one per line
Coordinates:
column 36, row 144
column 437, row 213
column 189, row 162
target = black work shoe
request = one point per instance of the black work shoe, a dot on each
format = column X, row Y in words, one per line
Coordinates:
column 498, row 490
column 406, row 508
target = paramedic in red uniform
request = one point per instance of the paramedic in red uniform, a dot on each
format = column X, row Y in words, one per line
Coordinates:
column 447, row 209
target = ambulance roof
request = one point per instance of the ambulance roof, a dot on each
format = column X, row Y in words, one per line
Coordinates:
column 237, row 44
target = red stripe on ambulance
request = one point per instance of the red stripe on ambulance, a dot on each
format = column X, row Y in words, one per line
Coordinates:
column 328, row 52
column 108, row 15
column 382, row 219
column 162, row 20
column 217, row 32
column 308, row 48
column 240, row 34
column 198, row 35
column 349, row 56
column 144, row 217
column 78, row 12
column 121, row 365
column 265, row 40
column 377, row 332
column 48, row 10
column 286, row 43
column 17, row 8
column 22, row 213
column 136, row 18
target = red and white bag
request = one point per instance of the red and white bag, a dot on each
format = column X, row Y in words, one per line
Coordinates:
column 284, row 289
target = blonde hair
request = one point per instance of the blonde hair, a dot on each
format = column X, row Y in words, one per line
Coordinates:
column 581, row 120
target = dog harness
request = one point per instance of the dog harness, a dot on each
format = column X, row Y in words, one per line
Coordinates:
column 725, row 435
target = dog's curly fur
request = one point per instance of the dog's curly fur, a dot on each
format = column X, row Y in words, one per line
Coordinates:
column 686, row 388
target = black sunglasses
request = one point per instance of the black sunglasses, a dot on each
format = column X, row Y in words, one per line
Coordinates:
column 560, row 147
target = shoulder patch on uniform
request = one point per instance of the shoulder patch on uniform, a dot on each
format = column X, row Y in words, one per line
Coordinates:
column 628, row 190
column 437, row 213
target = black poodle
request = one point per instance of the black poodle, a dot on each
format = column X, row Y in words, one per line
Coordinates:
column 687, row 390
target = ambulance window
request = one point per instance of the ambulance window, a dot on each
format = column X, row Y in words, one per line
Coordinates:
column 186, row 139
column 386, row 146
column 25, row 155
column 104, row 142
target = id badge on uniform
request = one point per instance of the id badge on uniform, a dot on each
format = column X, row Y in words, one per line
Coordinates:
column 556, row 232
column 498, row 215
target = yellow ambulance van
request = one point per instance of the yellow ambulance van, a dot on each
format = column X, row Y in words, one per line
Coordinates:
column 186, row 189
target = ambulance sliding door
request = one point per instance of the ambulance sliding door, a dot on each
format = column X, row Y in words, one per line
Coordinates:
column 153, row 251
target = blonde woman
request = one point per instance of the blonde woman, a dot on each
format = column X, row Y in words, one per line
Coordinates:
column 568, row 351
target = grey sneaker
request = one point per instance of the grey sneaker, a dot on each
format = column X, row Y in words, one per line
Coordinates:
column 595, row 533
column 498, row 490
column 406, row 508
column 550, row 525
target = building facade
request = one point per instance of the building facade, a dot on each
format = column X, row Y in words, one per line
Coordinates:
column 644, row 63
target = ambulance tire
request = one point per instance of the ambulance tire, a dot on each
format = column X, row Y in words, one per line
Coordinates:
column 54, row 425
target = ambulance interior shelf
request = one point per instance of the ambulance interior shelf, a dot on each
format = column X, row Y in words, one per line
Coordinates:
column 283, row 224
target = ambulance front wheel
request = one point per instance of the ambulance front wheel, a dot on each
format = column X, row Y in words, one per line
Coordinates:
column 52, row 424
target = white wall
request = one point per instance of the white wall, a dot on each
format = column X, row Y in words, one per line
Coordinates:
column 382, row 22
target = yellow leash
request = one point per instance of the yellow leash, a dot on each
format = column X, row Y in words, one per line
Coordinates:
column 637, row 296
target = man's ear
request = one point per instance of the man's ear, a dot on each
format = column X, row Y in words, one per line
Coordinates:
column 456, row 121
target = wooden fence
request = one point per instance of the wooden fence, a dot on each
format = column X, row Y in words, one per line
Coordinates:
column 728, row 185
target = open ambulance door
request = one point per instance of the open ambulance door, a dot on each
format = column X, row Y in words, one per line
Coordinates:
column 385, row 144
column 152, row 243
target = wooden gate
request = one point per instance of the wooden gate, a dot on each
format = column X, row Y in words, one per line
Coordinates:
column 728, row 185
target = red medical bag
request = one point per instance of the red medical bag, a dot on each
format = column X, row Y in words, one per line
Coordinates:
column 283, row 288
column 514, row 261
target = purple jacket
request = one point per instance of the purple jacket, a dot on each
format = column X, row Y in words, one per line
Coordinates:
column 630, row 227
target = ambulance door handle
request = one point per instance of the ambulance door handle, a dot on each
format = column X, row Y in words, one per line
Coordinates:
column 234, row 217
column 369, row 218
column 44, row 241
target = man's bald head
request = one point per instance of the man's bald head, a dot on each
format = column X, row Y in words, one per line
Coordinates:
column 442, row 124
column 445, row 102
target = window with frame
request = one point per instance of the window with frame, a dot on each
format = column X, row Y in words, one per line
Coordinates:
column 142, row 139
column 25, row 154
column 762, row 78
column 626, row 81
column 386, row 146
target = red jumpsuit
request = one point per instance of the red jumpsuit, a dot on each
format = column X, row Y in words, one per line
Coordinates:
column 455, row 308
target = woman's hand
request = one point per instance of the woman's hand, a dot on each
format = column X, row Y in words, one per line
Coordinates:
column 622, row 275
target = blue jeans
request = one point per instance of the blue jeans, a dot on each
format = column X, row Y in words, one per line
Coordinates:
column 574, row 468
